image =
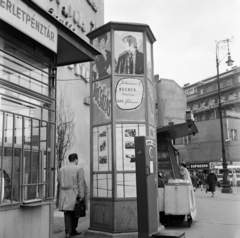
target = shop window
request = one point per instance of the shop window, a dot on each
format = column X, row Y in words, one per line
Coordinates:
column 211, row 116
column 27, row 124
column 203, row 117
column 234, row 135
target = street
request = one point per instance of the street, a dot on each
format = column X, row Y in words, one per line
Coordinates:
column 216, row 217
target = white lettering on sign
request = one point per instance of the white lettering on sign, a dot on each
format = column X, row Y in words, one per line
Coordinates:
column 150, row 142
column 23, row 18
column 102, row 98
column 194, row 166
column 129, row 93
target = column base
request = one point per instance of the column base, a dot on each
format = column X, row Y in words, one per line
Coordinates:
column 170, row 234
column 101, row 234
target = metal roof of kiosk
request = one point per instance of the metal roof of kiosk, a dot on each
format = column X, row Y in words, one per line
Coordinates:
column 178, row 130
column 71, row 48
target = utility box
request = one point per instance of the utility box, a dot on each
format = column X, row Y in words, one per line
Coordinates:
column 146, row 176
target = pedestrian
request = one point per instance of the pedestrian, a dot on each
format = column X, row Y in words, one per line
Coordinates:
column 234, row 182
column 184, row 172
column 195, row 180
column 72, row 184
column 212, row 182
column 201, row 178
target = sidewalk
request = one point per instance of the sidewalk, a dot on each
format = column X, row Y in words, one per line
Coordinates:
column 58, row 227
column 216, row 217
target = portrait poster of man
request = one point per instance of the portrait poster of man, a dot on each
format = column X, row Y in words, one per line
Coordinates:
column 128, row 53
column 102, row 64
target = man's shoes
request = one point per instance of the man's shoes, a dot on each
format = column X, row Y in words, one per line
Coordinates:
column 75, row 233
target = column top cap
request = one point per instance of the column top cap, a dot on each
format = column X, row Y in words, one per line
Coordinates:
column 123, row 26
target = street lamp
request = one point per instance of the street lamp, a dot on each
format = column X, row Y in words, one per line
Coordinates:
column 226, row 187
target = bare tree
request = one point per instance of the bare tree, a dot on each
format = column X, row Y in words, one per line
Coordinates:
column 65, row 136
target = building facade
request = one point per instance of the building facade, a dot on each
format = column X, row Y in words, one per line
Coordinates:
column 202, row 100
column 38, row 42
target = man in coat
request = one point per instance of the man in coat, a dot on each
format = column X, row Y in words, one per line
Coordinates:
column 72, row 183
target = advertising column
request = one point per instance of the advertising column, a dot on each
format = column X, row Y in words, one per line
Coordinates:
column 122, row 107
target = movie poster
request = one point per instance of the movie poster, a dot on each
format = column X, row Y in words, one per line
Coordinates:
column 102, row 148
column 149, row 61
column 129, row 57
column 102, row 66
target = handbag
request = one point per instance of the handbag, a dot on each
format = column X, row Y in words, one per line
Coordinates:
column 80, row 208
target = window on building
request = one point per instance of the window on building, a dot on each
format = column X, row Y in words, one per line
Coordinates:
column 232, row 96
column 221, row 84
column 223, row 99
column 201, row 91
column 238, row 77
column 209, row 88
column 230, row 82
column 27, row 122
column 202, row 104
column 211, row 102
column 239, row 94
column 195, row 107
column 234, row 135
column 190, row 91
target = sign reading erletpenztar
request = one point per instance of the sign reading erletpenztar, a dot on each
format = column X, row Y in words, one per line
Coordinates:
column 23, row 18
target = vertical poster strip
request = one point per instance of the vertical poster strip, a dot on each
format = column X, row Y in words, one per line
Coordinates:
column 101, row 67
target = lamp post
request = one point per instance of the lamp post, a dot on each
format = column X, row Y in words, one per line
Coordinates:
column 226, row 187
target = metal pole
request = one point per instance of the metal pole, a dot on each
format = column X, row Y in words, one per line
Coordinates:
column 226, row 188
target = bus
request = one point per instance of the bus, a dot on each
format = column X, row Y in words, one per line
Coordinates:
column 219, row 172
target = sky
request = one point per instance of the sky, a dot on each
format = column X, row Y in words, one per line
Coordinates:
column 186, row 33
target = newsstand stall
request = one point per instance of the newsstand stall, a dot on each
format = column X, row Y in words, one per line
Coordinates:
column 176, row 199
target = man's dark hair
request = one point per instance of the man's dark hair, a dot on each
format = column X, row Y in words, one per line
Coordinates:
column 104, row 36
column 72, row 157
column 131, row 40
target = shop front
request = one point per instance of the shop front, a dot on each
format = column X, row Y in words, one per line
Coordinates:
column 32, row 45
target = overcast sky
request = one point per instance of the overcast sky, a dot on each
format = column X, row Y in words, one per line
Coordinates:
column 186, row 32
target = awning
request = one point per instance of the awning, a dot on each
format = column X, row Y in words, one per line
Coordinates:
column 71, row 48
column 179, row 130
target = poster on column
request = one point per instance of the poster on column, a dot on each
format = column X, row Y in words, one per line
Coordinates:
column 129, row 57
column 130, row 99
column 129, row 132
column 103, row 149
column 102, row 103
column 101, row 67
column 151, row 104
column 149, row 60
